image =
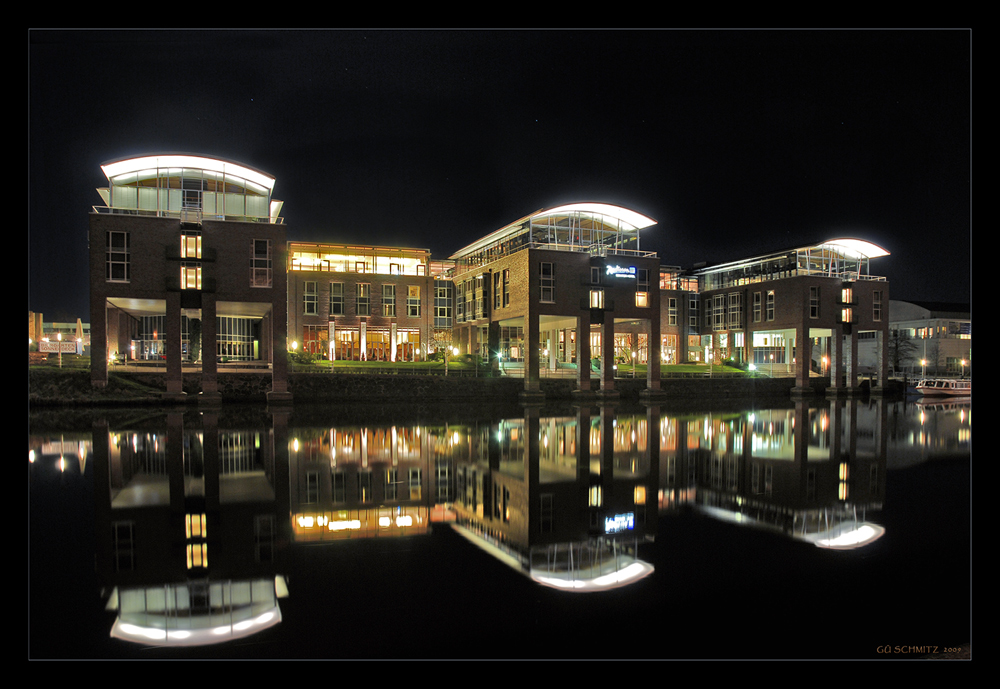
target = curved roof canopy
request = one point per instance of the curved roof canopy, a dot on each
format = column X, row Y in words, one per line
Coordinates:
column 183, row 160
column 615, row 219
column 855, row 248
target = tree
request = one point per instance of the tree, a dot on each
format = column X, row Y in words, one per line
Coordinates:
column 901, row 349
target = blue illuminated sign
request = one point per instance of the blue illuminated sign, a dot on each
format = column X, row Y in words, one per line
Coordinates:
column 621, row 271
column 619, row 522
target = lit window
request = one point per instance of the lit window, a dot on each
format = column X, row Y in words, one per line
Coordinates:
column 190, row 276
column 197, row 555
column 364, row 299
column 413, row 301
column 191, row 245
column 389, row 301
column 310, row 298
column 597, row 298
column 595, row 497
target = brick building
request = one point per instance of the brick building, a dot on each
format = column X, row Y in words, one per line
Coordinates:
column 187, row 265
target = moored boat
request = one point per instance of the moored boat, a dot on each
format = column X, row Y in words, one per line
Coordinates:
column 949, row 387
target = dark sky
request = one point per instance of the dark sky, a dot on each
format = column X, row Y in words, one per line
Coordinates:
column 737, row 142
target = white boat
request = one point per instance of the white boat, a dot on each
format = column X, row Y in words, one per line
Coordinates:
column 948, row 387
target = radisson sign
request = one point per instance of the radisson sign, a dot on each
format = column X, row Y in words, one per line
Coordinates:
column 621, row 271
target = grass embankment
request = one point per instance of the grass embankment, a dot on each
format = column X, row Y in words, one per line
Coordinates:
column 48, row 384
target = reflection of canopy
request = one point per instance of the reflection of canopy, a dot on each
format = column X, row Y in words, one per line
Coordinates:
column 847, row 539
column 168, row 616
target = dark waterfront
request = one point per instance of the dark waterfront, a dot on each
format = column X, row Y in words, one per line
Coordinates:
column 819, row 529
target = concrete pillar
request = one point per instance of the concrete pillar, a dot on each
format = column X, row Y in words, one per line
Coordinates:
column 98, row 341
column 583, row 352
column 803, row 358
column 172, row 345
column 209, row 338
column 608, row 354
column 653, row 354
column 531, row 351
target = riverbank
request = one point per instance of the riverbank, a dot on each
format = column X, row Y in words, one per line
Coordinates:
column 49, row 387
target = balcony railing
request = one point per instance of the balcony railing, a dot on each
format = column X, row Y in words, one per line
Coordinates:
column 186, row 215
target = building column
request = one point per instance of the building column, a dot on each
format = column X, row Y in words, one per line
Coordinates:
column 653, row 353
column 608, row 354
column 209, row 348
column 172, row 345
column 98, row 341
column 803, row 359
column 583, row 352
column 531, row 351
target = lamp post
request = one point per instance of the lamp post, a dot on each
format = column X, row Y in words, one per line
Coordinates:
column 771, row 357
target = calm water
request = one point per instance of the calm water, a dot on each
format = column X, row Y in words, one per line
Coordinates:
column 791, row 530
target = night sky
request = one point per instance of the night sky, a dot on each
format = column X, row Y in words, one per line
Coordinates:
column 736, row 142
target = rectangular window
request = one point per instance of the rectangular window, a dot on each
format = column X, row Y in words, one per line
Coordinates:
column 877, row 306
column 642, row 299
column 191, row 244
column 389, row 301
column 338, row 486
column 336, row 298
column 672, row 311
column 770, row 304
column 312, row 488
column 365, row 486
column 310, row 298
column 595, row 275
column 391, row 481
column 547, row 280
column 497, row 296
column 814, row 302
column 756, row 307
column 260, row 263
column 364, row 299
column 597, row 298
column 118, row 257
column 506, row 288
column 413, row 301
column 415, row 483
column 190, row 276
column 735, row 310
column 719, row 312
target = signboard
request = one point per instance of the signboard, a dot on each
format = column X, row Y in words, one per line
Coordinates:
column 621, row 271
column 55, row 347
column 619, row 522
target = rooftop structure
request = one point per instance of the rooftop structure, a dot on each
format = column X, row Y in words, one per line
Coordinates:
column 847, row 259
column 596, row 228
column 189, row 187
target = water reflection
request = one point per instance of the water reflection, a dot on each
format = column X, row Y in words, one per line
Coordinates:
column 196, row 516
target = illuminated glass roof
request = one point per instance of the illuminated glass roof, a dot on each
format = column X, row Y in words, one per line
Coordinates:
column 600, row 222
column 149, row 164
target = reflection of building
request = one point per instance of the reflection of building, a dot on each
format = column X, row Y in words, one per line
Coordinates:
column 189, row 536
column 798, row 312
column 186, row 265
column 369, row 482
column 551, row 290
column 810, row 472
column 566, row 500
column 360, row 302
